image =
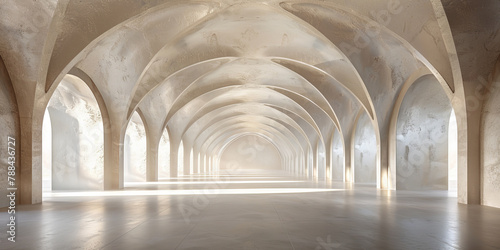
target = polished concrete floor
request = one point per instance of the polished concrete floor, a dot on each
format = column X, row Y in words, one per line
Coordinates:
column 250, row 210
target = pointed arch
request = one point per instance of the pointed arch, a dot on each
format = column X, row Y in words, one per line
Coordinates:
column 77, row 146
column 135, row 144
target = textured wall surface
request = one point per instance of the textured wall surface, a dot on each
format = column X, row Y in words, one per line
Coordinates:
column 135, row 150
column 9, row 125
column 490, row 167
column 250, row 152
column 365, row 151
column 422, row 137
column 77, row 137
column 337, row 158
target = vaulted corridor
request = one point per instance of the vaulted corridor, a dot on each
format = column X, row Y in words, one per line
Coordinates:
column 238, row 124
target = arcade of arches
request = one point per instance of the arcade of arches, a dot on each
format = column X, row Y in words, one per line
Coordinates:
column 391, row 96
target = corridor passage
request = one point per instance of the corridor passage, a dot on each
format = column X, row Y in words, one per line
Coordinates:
column 253, row 210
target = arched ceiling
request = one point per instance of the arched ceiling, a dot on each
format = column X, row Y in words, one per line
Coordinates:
column 302, row 130
column 291, row 71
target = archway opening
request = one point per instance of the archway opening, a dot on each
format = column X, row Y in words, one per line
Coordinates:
column 164, row 156
column 205, row 164
column 338, row 163
column 198, row 159
column 73, row 139
column 180, row 160
column 134, row 162
column 422, row 133
column 321, row 162
column 310, row 163
column 250, row 153
column 452, row 155
column 191, row 162
column 365, row 151
column 46, row 152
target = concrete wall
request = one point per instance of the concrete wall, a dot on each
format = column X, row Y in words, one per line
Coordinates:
column 365, row 151
column 250, row 152
column 9, row 124
column 490, row 159
column 422, row 137
column 77, row 137
column 337, row 158
column 135, row 150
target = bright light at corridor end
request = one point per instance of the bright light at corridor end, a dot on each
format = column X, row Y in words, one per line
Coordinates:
column 203, row 182
column 187, row 192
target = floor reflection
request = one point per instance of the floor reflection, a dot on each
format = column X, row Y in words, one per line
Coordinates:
column 254, row 212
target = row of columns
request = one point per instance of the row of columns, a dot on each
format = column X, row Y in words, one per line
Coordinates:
column 316, row 164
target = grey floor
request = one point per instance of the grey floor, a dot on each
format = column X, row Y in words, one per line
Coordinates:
column 252, row 211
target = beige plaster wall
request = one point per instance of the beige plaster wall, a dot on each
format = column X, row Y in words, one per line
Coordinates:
column 365, row 151
column 422, row 137
column 77, row 137
column 250, row 152
column 9, row 124
column 490, row 157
